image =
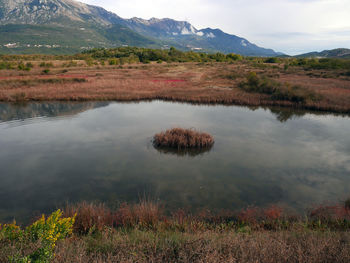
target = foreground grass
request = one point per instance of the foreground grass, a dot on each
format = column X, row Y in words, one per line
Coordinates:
column 143, row 233
column 208, row 246
column 137, row 245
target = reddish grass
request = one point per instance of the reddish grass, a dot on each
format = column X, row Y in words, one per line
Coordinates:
column 142, row 233
column 186, row 82
column 89, row 216
column 145, row 213
column 179, row 138
column 331, row 212
column 168, row 80
column 150, row 215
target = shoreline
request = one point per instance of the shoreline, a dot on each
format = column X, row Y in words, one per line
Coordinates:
column 141, row 232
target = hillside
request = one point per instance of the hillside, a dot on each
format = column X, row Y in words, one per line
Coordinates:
column 187, row 35
column 67, row 26
column 334, row 53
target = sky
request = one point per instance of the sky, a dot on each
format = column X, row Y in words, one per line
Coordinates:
column 289, row 26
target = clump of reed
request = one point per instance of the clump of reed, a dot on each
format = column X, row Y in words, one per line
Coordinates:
column 97, row 216
column 179, row 138
column 89, row 216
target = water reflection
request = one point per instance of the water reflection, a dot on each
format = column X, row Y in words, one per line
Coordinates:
column 183, row 152
column 104, row 154
column 30, row 110
column 10, row 111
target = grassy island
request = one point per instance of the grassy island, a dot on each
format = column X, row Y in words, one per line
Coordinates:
column 179, row 138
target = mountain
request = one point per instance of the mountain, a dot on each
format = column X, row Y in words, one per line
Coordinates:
column 62, row 26
column 334, row 53
column 66, row 26
column 183, row 33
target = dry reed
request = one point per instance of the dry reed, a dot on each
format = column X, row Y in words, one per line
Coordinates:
column 179, row 138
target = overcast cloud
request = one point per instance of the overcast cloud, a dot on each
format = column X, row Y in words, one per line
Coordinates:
column 290, row 26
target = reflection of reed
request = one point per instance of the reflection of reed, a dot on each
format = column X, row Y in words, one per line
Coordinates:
column 182, row 152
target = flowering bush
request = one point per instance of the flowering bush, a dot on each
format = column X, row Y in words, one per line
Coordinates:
column 45, row 231
column 10, row 231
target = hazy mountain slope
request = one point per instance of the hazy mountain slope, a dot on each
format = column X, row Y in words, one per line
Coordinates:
column 334, row 53
column 72, row 26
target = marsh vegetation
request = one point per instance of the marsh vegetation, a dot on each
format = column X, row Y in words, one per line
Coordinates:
column 142, row 232
column 183, row 139
column 127, row 74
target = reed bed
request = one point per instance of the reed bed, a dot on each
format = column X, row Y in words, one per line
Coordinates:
column 179, row 138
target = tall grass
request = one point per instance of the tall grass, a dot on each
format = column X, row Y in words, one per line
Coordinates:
column 143, row 232
column 151, row 215
column 179, row 138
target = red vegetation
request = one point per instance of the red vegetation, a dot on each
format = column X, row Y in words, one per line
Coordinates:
column 98, row 216
column 168, row 80
column 331, row 212
column 90, row 216
column 151, row 215
column 179, row 138
column 216, row 83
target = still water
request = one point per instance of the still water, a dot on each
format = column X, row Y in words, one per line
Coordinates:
column 53, row 153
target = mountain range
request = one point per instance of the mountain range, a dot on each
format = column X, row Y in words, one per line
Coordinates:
column 68, row 26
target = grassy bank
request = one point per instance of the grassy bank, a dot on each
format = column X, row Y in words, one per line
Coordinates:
column 144, row 233
column 131, row 74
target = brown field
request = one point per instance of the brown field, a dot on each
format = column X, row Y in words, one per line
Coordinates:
column 207, row 83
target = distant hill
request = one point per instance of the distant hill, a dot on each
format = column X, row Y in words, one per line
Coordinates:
column 334, row 53
column 68, row 26
column 186, row 35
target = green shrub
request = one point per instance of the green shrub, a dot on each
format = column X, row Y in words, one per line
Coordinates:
column 46, row 65
column 6, row 65
column 271, row 60
column 45, row 71
column 234, row 57
column 24, row 67
column 276, row 90
column 113, row 61
column 89, row 62
column 29, row 65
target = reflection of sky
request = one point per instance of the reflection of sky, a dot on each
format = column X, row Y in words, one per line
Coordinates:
column 106, row 154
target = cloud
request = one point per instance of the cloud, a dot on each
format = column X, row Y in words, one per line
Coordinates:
column 289, row 26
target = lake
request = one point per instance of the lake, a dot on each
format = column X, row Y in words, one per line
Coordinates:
column 53, row 152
